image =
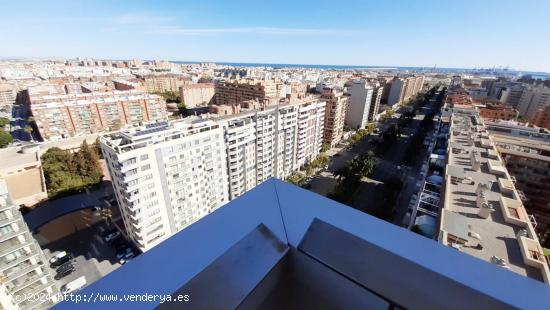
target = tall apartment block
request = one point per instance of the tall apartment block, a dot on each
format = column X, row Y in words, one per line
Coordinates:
column 24, row 271
column 403, row 89
column 335, row 115
column 195, row 95
column 311, row 121
column 163, row 82
column 166, row 176
column 360, row 98
column 272, row 142
column 61, row 116
column 532, row 100
column 377, row 91
column 237, row 91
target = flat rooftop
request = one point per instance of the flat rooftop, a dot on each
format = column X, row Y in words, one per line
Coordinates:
column 282, row 247
column 461, row 217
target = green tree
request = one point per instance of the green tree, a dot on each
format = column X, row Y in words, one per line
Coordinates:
column 5, row 139
column 65, row 172
column 363, row 165
column 4, row 121
column 371, row 127
column 325, row 147
column 296, row 179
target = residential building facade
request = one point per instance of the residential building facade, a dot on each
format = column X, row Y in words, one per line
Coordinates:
column 532, row 100
column 195, row 95
column 166, row 176
column 335, row 115
column 542, row 118
column 26, row 280
column 360, row 98
column 237, row 91
column 62, row 116
column 163, row 82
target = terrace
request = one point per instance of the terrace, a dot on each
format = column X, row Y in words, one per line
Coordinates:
column 483, row 214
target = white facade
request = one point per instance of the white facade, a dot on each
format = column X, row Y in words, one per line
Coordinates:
column 396, row 92
column 311, row 123
column 166, row 176
column 260, row 145
column 360, row 100
column 24, row 270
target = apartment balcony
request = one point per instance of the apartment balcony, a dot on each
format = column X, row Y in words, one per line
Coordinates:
column 5, row 219
column 25, row 282
column 294, row 249
column 14, row 244
column 4, row 264
column 23, row 296
column 21, row 270
column 13, row 233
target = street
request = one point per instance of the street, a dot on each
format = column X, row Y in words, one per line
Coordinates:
column 369, row 196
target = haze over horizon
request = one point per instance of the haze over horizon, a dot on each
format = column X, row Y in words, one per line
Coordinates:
column 463, row 34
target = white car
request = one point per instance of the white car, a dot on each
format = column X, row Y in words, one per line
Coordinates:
column 59, row 257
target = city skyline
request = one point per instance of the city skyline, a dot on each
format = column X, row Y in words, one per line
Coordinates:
column 377, row 34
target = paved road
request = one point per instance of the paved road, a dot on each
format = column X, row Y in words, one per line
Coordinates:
column 93, row 257
column 367, row 196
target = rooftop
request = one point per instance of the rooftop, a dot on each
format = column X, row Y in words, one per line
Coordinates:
column 279, row 246
column 482, row 204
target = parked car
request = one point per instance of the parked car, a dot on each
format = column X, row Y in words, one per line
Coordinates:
column 112, row 236
column 107, row 232
column 122, row 253
column 67, row 265
column 64, row 271
column 60, row 258
column 61, row 275
column 126, row 258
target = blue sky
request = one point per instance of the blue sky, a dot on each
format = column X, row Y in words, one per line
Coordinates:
column 464, row 33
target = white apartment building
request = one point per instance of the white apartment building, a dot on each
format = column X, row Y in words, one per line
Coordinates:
column 24, row 271
column 360, row 100
column 260, row 145
column 311, row 123
column 240, row 140
column 166, row 176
